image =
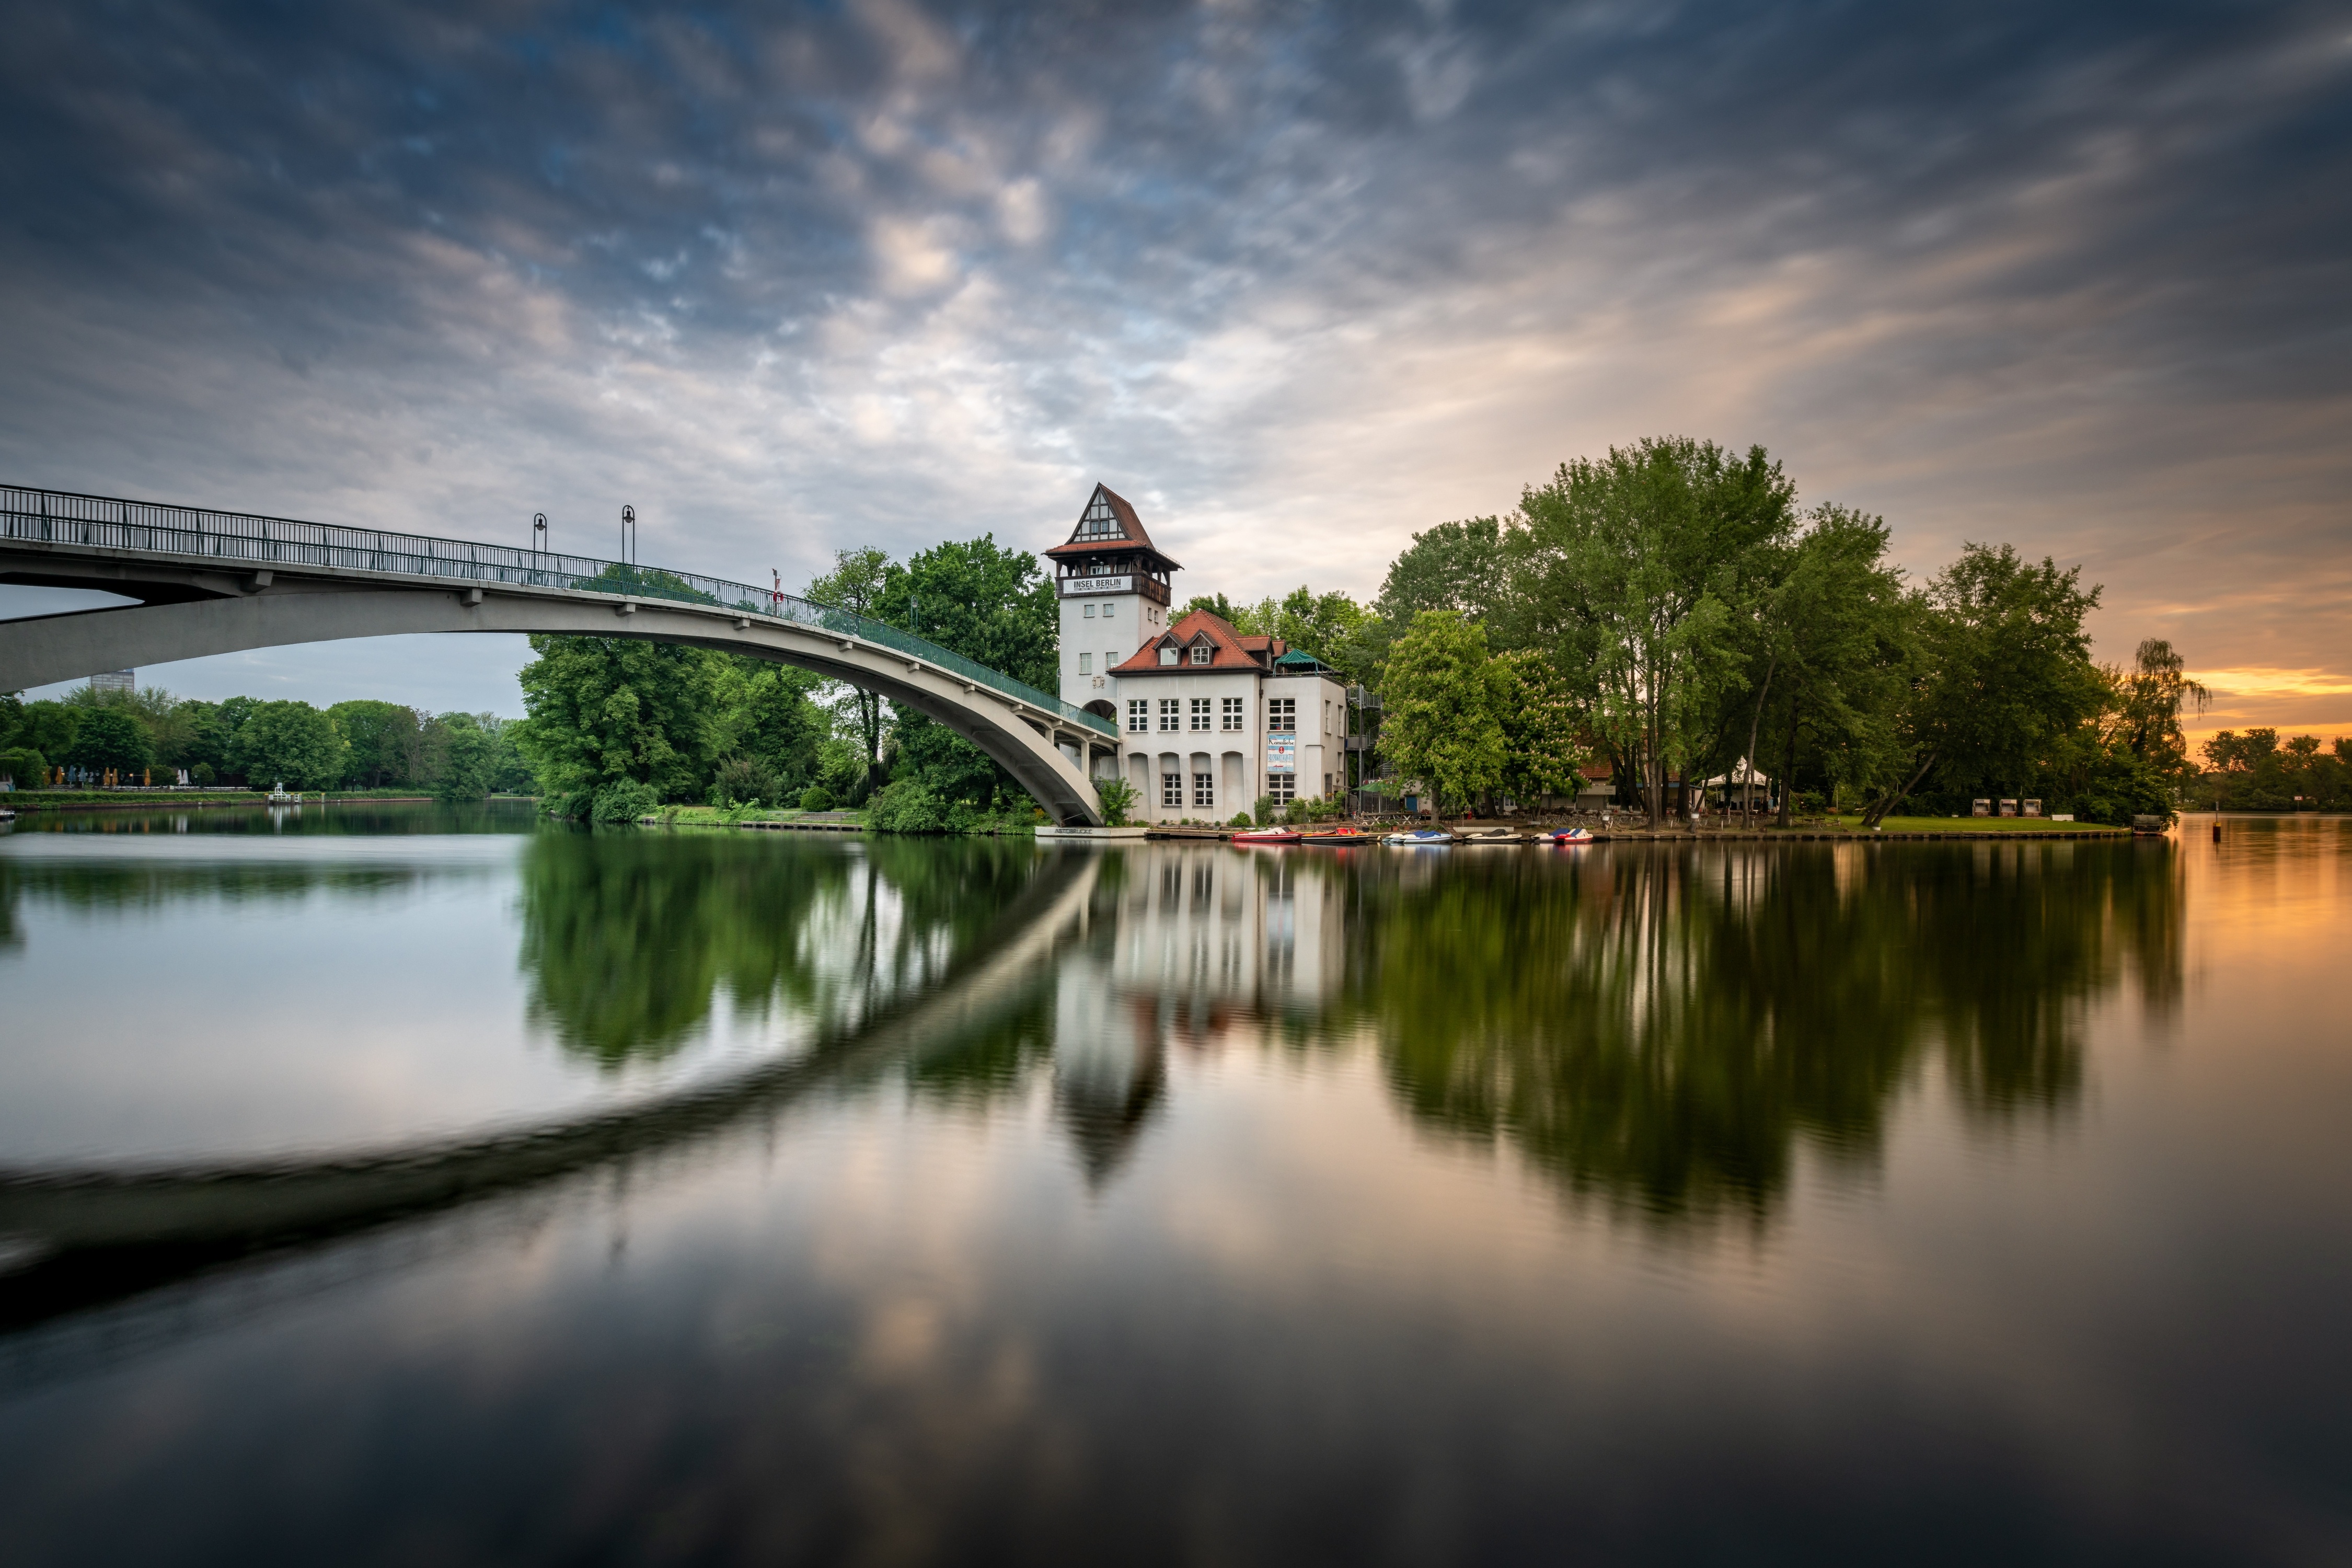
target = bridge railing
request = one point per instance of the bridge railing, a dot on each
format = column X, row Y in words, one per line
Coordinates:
column 244, row 541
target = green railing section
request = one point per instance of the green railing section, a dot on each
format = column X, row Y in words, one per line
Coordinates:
column 246, row 542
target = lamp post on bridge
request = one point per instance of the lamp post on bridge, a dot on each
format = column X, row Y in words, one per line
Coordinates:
column 628, row 535
column 539, row 538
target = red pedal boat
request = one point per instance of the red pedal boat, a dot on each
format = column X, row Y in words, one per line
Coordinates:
column 1267, row 836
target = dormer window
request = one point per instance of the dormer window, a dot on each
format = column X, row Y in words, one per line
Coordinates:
column 1167, row 655
column 1200, row 652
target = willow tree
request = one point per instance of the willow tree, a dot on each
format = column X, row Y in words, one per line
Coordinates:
column 2150, row 696
column 1640, row 571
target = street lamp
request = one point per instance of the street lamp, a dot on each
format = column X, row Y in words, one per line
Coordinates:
column 539, row 533
column 628, row 533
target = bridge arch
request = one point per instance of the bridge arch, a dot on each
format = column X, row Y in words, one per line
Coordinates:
column 213, row 583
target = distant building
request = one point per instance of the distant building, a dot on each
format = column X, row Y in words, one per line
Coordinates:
column 1209, row 720
column 115, row 680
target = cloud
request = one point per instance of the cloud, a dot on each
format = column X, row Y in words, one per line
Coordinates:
column 1302, row 280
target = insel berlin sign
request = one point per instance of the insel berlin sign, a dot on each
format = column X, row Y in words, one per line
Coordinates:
column 1097, row 584
column 1282, row 753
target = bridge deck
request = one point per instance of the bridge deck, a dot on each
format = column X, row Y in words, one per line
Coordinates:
column 248, row 543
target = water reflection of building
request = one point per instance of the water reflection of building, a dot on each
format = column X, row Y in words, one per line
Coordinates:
column 1189, row 941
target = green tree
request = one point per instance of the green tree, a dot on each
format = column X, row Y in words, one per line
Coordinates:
column 2004, row 673
column 111, row 738
column 385, row 740
column 469, row 758
column 1458, row 566
column 288, row 742
column 980, row 600
column 1541, row 756
column 859, row 582
column 1216, row 605
column 1836, row 645
column 1446, row 701
column 1640, row 571
column 604, row 710
column 49, row 727
column 768, row 713
column 991, row 605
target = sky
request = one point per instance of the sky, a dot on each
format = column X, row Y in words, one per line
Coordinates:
column 1299, row 281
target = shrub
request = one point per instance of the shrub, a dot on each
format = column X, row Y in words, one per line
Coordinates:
column 25, row 765
column 906, row 806
column 1118, row 798
column 1241, row 819
column 748, row 780
column 624, row 801
column 202, row 774
column 567, row 806
column 816, row 797
column 1264, row 811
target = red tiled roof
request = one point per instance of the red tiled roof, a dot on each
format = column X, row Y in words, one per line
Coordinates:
column 1129, row 524
column 1232, row 652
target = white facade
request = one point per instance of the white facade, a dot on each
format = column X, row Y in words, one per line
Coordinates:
column 1104, row 621
column 1205, row 728
column 1206, row 746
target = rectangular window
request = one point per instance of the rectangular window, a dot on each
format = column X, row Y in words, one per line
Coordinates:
column 1090, row 611
column 1281, row 786
column 1201, row 654
column 1172, row 790
column 1232, row 713
column 1139, row 716
column 1327, row 715
column 1282, row 715
column 1110, row 662
column 1170, row 719
column 1167, row 656
column 1204, row 789
column 1200, row 712
column 1086, row 663
column 1108, row 609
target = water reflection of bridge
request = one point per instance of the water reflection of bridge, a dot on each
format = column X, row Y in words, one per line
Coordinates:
column 1660, row 1030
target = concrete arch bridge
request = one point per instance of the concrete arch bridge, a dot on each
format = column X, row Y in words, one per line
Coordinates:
column 213, row 581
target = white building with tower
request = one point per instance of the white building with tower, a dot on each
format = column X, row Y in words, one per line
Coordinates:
column 1209, row 718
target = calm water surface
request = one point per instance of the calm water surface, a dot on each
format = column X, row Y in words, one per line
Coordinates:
column 402, row 1186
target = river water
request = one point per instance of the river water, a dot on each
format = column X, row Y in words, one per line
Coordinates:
column 398, row 1184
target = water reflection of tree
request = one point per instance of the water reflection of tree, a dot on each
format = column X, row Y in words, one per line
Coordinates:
column 630, row 939
column 1664, row 1030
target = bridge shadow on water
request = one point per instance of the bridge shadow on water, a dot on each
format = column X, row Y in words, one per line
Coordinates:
column 1656, row 1031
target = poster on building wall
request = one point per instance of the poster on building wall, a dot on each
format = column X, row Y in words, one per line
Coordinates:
column 1282, row 753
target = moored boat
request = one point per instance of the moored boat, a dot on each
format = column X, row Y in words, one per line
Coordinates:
column 1470, row 836
column 1569, row 835
column 1267, row 836
column 1420, row 837
column 1336, row 838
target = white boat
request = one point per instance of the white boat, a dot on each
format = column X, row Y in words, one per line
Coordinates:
column 1420, row 837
